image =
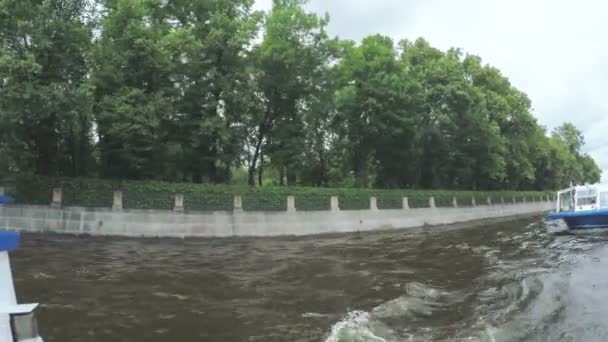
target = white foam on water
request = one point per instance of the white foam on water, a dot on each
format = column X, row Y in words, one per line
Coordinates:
column 355, row 327
column 313, row 315
column 361, row 326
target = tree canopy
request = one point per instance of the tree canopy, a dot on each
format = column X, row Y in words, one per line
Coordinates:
column 211, row 91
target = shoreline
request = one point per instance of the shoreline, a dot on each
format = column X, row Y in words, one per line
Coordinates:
column 238, row 223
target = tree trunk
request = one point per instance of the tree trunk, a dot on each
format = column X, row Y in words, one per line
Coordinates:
column 261, row 171
column 322, row 169
column 360, row 168
column 251, row 176
column 282, row 175
column 254, row 160
column 197, row 177
column 263, row 126
column 291, row 176
column 46, row 147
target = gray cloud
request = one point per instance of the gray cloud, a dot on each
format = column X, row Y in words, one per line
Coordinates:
column 551, row 49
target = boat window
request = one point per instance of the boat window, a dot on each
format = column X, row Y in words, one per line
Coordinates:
column 586, row 193
column 586, row 197
column 566, row 201
column 603, row 199
column 586, row 201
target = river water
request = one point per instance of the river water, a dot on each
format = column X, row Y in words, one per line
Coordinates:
column 511, row 281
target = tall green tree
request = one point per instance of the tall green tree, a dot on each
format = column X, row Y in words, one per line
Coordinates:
column 369, row 106
column 571, row 136
column 45, row 98
column 291, row 54
column 510, row 110
column 133, row 89
column 212, row 71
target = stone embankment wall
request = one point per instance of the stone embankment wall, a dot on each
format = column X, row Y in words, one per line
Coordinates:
column 178, row 223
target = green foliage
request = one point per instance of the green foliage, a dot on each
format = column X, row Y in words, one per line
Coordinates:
column 45, row 97
column 186, row 91
column 91, row 192
column 207, row 200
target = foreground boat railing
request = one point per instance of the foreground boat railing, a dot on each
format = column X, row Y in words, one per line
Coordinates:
column 17, row 321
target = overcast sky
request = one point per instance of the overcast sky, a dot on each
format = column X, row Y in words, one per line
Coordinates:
column 554, row 50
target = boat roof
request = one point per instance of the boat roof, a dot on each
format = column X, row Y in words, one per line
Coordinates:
column 19, row 309
column 599, row 187
column 9, row 240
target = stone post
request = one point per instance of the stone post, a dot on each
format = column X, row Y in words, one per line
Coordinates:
column 238, row 203
column 1, row 191
column 57, row 198
column 179, row 202
column 514, row 200
column 502, row 200
column 117, row 204
column 291, row 204
column 432, row 202
column 524, row 199
column 548, row 199
column 489, row 200
column 454, row 202
column 334, row 203
column 473, row 202
column 373, row 203
column 406, row 203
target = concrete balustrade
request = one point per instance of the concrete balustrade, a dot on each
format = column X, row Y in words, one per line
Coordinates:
column 117, row 200
column 238, row 203
column 179, row 202
column 406, row 203
column 57, row 198
column 177, row 222
column 334, row 203
column 291, row 204
column 373, row 203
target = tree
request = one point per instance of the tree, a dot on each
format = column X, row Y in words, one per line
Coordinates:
column 369, row 101
column 212, row 41
column 571, row 136
column 591, row 172
column 45, row 98
column 290, row 55
column 133, row 90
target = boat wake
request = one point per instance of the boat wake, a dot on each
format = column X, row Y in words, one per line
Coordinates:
column 419, row 303
column 553, row 295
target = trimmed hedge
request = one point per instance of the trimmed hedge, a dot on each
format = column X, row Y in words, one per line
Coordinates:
column 93, row 192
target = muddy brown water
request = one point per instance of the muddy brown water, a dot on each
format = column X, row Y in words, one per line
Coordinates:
column 509, row 281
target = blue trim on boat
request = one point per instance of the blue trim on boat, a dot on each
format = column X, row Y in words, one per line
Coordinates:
column 4, row 199
column 589, row 219
column 9, row 240
column 564, row 214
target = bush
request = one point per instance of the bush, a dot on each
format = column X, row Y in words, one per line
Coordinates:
column 93, row 192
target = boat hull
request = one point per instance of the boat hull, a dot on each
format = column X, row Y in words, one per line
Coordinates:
column 580, row 220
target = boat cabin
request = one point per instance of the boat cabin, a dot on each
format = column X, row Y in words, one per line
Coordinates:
column 582, row 198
